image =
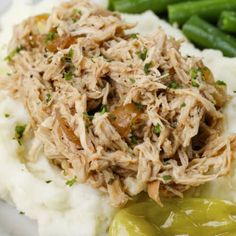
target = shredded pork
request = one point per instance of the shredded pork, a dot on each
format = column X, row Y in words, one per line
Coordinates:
column 122, row 112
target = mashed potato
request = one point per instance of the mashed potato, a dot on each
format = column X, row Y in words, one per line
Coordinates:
column 39, row 189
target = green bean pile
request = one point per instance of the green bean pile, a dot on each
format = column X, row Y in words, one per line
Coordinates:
column 207, row 23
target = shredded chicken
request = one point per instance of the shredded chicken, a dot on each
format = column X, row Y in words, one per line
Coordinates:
column 123, row 112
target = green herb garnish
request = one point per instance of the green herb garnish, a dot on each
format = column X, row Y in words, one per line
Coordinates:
column 68, row 75
column 103, row 109
column 19, row 132
column 50, row 36
column 157, row 129
column 71, row 53
column 194, row 72
column 7, row 115
column 132, row 80
column 71, row 182
column 134, row 35
column 10, row 56
column 173, row 85
column 139, row 106
column 183, row 105
column 143, row 54
column 195, row 83
column 48, row 97
column 221, row 83
column 48, row 181
column 147, row 67
column 134, row 139
column 21, row 213
column 166, row 177
column 111, row 181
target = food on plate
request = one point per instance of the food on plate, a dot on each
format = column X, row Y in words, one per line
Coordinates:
column 198, row 31
column 227, row 21
column 207, row 9
column 98, row 113
column 123, row 112
column 204, row 34
column 191, row 216
column 138, row 6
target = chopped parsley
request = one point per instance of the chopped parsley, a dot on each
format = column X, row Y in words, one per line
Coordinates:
column 7, row 115
column 134, row 35
column 139, row 106
column 111, row 181
column 173, row 85
column 48, row 97
column 143, row 54
column 48, row 181
column 157, row 129
column 221, row 83
column 103, row 109
column 183, row 105
column 21, row 213
column 68, row 75
column 10, row 56
column 69, row 67
column 71, row 182
column 195, row 83
column 71, row 53
column 132, row 80
column 19, row 132
column 147, row 67
column 134, row 139
column 76, row 13
column 50, row 36
column 194, row 72
column 166, row 177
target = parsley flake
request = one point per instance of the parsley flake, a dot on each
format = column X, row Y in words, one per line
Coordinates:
column 71, row 53
column 143, row 54
column 21, row 213
column 48, row 181
column 194, row 83
column 183, row 105
column 147, row 67
column 221, row 83
column 111, row 181
column 157, row 129
column 19, row 132
column 7, row 115
column 134, row 35
column 48, row 97
column 173, row 85
column 166, row 177
column 134, row 139
column 50, row 36
column 71, row 182
column 10, row 56
column 132, row 80
column 103, row 109
column 68, row 75
column 139, row 106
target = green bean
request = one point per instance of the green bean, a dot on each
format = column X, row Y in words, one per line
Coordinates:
column 207, row 9
column 227, row 21
column 138, row 6
column 206, row 35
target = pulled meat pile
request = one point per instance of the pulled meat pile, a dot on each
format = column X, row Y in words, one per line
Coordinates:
column 122, row 112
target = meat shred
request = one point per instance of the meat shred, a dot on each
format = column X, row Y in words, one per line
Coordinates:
column 122, row 112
